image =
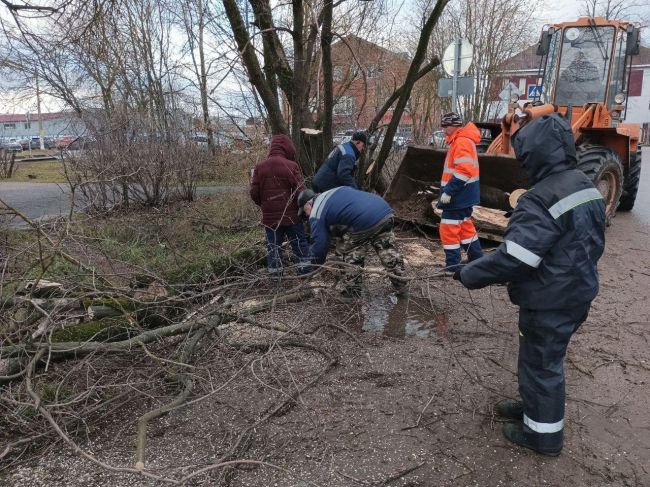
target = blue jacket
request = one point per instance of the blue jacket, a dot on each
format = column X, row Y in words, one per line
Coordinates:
column 341, row 210
column 338, row 169
column 556, row 234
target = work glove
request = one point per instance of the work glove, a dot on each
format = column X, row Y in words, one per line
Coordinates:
column 445, row 198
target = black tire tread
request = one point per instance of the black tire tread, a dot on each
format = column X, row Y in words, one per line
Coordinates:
column 631, row 183
column 592, row 161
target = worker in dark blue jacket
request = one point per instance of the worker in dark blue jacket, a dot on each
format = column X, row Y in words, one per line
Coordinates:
column 552, row 244
column 340, row 167
column 359, row 220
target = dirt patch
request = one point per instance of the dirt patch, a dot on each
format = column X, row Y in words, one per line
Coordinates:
column 399, row 408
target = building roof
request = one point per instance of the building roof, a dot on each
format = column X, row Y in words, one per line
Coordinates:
column 33, row 117
column 528, row 60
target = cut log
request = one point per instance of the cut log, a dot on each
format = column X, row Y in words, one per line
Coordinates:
column 489, row 223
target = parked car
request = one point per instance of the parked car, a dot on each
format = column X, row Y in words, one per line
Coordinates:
column 11, row 145
column 343, row 136
column 64, row 141
column 438, row 139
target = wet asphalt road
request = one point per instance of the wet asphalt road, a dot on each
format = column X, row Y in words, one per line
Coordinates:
column 41, row 201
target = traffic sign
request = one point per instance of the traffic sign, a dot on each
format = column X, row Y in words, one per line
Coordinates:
column 509, row 90
column 534, row 91
column 465, row 86
column 449, row 57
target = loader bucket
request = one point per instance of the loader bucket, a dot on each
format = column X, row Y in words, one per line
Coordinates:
column 417, row 181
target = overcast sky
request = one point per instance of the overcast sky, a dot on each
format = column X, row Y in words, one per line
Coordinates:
column 553, row 11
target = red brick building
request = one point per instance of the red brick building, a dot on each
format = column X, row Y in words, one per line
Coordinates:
column 365, row 74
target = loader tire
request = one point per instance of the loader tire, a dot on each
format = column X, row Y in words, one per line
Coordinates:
column 631, row 184
column 603, row 166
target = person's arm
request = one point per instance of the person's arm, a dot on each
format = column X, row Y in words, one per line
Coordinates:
column 463, row 165
column 255, row 190
column 345, row 171
column 320, row 240
column 531, row 233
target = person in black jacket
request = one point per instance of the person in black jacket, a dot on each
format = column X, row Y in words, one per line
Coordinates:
column 340, row 167
column 551, row 247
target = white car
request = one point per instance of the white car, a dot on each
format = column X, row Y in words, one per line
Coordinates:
column 344, row 136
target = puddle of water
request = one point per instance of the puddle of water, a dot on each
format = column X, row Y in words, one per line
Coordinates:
column 398, row 317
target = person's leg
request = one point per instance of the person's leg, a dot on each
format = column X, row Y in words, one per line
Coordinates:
column 298, row 241
column 354, row 255
column 390, row 256
column 469, row 239
column 450, row 237
column 274, row 238
column 543, row 340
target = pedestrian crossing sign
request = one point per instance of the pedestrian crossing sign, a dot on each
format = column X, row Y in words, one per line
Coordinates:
column 534, row 91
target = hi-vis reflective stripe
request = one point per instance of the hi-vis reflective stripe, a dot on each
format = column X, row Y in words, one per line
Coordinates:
column 447, row 221
column 522, row 254
column 460, row 160
column 570, row 202
column 319, row 204
column 451, row 246
column 469, row 240
column 467, row 179
column 543, row 427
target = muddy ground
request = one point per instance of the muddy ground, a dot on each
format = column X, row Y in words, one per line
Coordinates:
column 409, row 402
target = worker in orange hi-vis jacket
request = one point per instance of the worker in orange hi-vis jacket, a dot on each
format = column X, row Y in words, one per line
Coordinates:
column 459, row 191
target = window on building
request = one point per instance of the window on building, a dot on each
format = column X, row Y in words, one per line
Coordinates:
column 345, row 106
column 373, row 71
column 28, row 125
column 9, row 125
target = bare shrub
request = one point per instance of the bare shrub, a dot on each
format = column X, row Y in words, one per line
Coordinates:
column 127, row 161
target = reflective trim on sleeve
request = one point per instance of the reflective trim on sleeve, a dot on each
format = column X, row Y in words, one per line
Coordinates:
column 460, row 160
column 319, row 204
column 447, row 221
column 447, row 170
column 443, row 184
column 451, row 247
column 544, row 427
column 522, row 254
column 575, row 199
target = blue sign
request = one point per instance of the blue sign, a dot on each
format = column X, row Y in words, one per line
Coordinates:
column 534, row 91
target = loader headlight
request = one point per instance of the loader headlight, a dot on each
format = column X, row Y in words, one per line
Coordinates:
column 514, row 98
column 619, row 98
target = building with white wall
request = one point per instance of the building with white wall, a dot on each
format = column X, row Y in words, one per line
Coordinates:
column 57, row 124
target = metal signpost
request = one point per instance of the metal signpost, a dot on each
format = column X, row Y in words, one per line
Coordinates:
column 456, row 61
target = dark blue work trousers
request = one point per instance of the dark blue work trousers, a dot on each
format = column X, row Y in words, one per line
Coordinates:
column 543, row 340
column 295, row 234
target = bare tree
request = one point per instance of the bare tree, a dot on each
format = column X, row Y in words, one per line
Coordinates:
column 614, row 9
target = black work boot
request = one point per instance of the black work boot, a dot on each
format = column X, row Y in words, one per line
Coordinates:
column 510, row 408
column 516, row 432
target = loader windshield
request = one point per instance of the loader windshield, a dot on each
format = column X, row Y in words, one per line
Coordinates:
column 584, row 65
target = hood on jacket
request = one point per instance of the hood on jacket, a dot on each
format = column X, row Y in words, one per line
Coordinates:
column 545, row 146
column 469, row 131
column 282, row 145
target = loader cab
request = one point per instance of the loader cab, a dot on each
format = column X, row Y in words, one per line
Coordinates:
column 588, row 61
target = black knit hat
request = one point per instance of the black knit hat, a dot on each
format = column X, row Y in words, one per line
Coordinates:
column 451, row 119
column 361, row 136
column 303, row 198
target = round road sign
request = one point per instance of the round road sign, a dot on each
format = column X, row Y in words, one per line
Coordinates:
column 448, row 58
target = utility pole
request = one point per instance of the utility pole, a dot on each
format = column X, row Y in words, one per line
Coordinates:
column 40, row 118
column 454, row 83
